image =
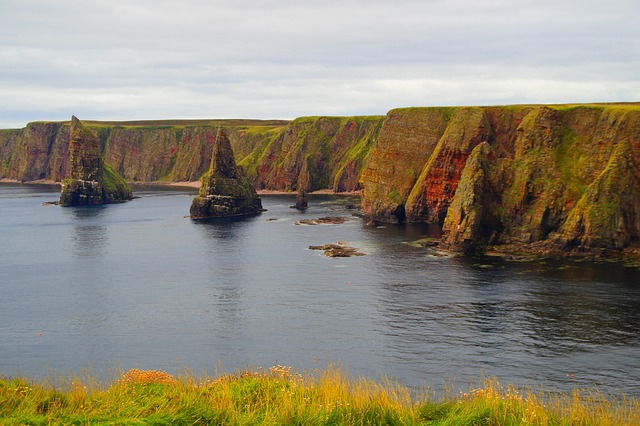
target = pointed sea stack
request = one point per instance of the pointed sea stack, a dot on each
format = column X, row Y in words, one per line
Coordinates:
column 225, row 190
column 92, row 181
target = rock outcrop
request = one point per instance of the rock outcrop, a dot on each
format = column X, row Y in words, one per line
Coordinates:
column 301, row 200
column 339, row 249
column 225, row 190
column 92, row 181
column 470, row 221
column 545, row 178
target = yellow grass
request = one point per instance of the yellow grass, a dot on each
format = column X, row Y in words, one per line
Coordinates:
column 282, row 396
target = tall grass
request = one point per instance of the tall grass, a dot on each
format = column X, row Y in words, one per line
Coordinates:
column 280, row 396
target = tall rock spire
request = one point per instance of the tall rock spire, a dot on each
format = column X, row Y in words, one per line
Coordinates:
column 92, row 181
column 225, row 190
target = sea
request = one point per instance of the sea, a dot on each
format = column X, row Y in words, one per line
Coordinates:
column 141, row 285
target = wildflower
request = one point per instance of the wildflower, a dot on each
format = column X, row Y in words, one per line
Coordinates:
column 147, row 377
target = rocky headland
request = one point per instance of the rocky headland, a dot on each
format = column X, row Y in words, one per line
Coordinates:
column 561, row 179
column 555, row 179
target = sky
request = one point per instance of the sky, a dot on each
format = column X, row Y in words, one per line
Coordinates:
column 160, row 59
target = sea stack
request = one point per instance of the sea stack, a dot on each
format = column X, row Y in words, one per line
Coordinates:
column 225, row 190
column 92, row 181
column 301, row 200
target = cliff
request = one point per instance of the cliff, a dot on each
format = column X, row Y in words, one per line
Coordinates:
column 551, row 178
column 312, row 152
column 554, row 177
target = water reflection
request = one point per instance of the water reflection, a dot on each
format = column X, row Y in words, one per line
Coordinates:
column 223, row 240
column 90, row 239
column 557, row 307
column 225, row 228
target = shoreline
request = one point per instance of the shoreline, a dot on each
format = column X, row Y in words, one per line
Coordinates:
column 31, row 182
column 514, row 252
column 187, row 184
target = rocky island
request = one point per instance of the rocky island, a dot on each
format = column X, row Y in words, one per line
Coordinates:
column 225, row 190
column 92, row 181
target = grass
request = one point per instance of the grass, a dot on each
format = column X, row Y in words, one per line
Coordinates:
column 281, row 396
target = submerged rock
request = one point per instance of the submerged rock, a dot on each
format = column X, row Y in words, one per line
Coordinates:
column 225, row 190
column 92, row 181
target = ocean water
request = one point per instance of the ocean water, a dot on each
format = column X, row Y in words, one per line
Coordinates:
column 141, row 285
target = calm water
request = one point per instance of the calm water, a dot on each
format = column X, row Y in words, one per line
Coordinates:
column 139, row 285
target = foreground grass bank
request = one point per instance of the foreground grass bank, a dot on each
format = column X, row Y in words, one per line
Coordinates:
column 281, row 396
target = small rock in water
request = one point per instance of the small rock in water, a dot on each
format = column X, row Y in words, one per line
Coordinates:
column 340, row 249
column 301, row 200
column 328, row 220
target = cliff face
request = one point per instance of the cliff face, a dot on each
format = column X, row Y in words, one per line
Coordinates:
column 39, row 151
column 406, row 141
column 315, row 153
column 568, row 176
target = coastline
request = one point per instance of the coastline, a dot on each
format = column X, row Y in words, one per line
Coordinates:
column 189, row 184
column 30, row 182
column 515, row 252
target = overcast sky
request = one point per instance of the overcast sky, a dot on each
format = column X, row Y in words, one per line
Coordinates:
column 153, row 59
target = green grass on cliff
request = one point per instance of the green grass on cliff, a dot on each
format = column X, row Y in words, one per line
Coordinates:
column 280, row 396
column 113, row 182
column 176, row 123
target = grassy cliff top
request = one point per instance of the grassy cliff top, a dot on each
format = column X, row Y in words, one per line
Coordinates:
column 629, row 105
column 241, row 122
column 231, row 122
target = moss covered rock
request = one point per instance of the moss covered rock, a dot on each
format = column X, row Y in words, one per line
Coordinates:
column 91, row 181
column 470, row 222
column 608, row 214
column 225, row 190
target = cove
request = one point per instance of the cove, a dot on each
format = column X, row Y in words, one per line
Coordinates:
column 140, row 285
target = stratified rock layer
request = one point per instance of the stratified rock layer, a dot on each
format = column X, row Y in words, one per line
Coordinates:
column 557, row 177
column 311, row 153
column 91, row 181
column 225, row 190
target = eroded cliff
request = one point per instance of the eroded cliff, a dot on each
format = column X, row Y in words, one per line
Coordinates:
column 555, row 177
column 559, row 177
column 311, row 152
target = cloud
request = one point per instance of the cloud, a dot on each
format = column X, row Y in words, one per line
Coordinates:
column 130, row 59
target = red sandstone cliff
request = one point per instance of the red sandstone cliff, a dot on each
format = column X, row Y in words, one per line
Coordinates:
column 567, row 176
